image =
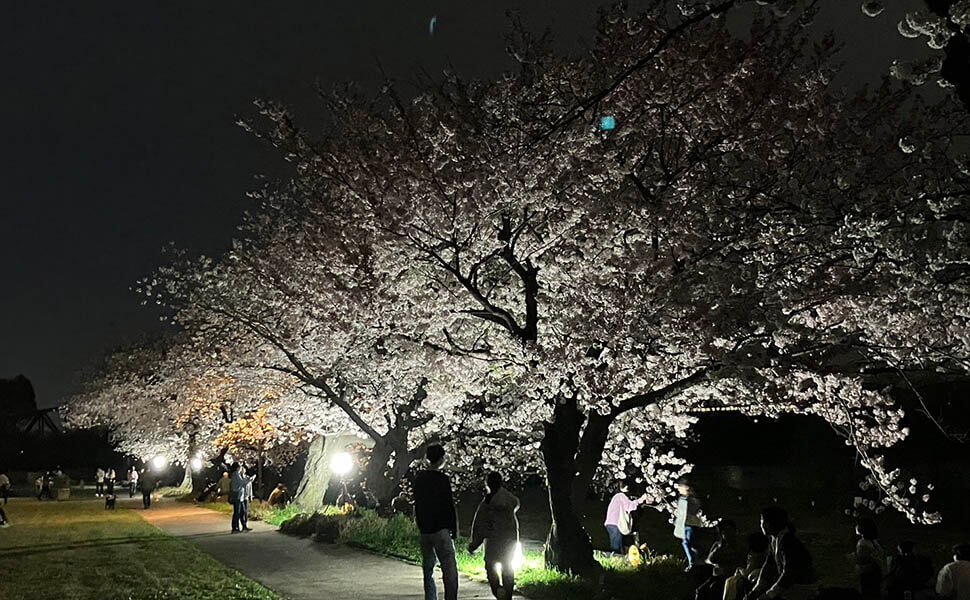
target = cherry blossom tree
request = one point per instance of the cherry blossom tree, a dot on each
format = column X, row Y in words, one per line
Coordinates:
column 946, row 26
column 743, row 236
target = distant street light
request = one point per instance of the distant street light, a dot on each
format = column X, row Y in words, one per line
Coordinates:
column 342, row 463
column 159, row 462
column 196, row 464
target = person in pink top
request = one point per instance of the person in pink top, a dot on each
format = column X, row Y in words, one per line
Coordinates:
column 619, row 521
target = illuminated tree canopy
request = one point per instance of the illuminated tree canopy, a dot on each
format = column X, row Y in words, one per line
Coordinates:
column 486, row 264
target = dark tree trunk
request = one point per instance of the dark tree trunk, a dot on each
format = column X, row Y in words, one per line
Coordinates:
column 382, row 481
column 588, row 458
column 568, row 547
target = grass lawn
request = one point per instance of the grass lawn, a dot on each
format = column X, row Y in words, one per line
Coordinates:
column 77, row 550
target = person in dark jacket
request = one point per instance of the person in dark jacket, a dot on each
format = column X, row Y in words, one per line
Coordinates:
column 147, row 485
column 726, row 556
column 788, row 571
column 908, row 572
column 434, row 511
column 496, row 525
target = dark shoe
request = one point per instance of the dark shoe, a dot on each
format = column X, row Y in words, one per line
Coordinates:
column 235, row 531
column 246, row 529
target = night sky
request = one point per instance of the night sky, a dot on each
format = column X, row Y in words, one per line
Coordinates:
column 118, row 133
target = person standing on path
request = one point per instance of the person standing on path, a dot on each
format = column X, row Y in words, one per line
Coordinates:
column 686, row 518
column 619, row 518
column 4, row 486
column 247, row 500
column 238, row 482
column 132, row 481
column 434, row 511
column 147, row 483
column 99, row 482
column 496, row 525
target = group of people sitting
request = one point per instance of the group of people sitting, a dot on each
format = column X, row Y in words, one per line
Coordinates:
column 774, row 563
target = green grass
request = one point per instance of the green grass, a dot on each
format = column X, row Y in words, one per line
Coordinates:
column 660, row 577
column 77, row 550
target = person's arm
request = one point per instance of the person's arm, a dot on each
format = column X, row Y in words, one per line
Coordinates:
column 450, row 507
column 766, row 577
column 630, row 505
column 944, row 583
column 478, row 527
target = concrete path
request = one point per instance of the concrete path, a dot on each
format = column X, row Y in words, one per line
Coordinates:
column 298, row 569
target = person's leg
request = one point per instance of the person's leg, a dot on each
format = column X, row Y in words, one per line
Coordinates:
column 244, row 514
column 491, row 572
column 445, row 550
column 236, row 509
column 688, row 544
column 616, row 538
column 508, row 573
column 428, row 560
column 3, row 517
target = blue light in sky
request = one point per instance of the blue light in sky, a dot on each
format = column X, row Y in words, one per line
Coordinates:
column 607, row 123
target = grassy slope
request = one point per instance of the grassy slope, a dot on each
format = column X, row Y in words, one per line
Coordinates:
column 77, row 550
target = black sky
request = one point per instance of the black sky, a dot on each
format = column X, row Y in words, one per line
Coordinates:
column 118, row 133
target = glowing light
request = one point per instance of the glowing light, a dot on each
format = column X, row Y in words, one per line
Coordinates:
column 196, row 464
column 159, row 462
column 518, row 558
column 342, row 463
column 431, row 24
column 607, row 123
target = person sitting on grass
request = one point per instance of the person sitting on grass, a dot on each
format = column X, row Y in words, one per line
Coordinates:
column 869, row 559
column 280, row 496
column 727, row 556
column 788, row 571
column 745, row 578
column 953, row 582
column 909, row 572
column 496, row 525
column 619, row 520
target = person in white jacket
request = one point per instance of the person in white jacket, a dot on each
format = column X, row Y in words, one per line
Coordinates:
column 497, row 526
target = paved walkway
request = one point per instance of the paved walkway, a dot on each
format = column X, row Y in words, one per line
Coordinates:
column 296, row 568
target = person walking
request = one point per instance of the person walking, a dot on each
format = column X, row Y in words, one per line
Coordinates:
column 4, row 486
column 619, row 517
column 132, row 481
column 99, row 482
column 496, row 525
column 4, row 522
column 46, row 484
column 869, row 559
column 434, row 511
column 686, row 518
column 146, row 483
column 788, row 571
column 953, row 581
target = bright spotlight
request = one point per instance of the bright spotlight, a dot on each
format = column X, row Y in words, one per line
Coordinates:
column 159, row 462
column 196, row 464
column 518, row 558
column 342, row 463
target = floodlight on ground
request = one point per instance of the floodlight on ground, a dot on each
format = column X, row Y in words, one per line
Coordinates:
column 518, row 557
column 159, row 462
column 342, row 463
column 196, row 464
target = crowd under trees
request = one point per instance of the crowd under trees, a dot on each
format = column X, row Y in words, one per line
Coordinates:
column 486, row 264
